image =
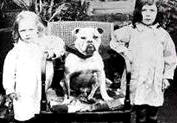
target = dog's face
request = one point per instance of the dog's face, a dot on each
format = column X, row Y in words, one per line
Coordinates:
column 88, row 40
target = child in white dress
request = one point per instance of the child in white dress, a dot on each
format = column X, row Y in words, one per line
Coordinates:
column 22, row 65
column 152, row 53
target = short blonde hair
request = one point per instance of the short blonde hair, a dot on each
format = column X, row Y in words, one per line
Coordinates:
column 25, row 15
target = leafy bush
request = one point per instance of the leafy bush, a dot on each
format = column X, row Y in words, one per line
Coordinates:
column 52, row 10
column 170, row 18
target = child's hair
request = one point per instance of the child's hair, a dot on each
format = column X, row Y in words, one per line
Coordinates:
column 137, row 16
column 25, row 15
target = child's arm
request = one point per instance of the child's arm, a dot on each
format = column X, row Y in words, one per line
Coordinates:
column 56, row 47
column 9, row 70
column 59, row 47
column 120, row 39
column 170, row 58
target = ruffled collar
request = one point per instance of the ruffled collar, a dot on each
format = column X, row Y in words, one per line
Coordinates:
column 142, row 27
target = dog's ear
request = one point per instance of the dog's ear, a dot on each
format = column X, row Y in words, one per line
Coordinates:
column 100, row 30
column 75, row 31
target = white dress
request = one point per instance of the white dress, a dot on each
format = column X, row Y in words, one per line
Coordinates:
column 22, row 75
column 153, row 56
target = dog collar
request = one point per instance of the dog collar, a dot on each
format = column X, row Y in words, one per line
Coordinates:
column 76, row 52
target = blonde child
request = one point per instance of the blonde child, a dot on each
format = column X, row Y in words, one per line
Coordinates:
column 22, row 66
column 152, row 54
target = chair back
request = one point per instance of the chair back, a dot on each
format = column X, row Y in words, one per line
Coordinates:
column 64, row 29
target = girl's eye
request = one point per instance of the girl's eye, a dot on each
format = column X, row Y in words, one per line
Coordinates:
column 95, row 37
column 143, row 10
column 31, row 29
column 152, row 10
column 83, row 37
column 21, row 30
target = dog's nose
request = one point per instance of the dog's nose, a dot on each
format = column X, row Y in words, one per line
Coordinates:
column 89, row 41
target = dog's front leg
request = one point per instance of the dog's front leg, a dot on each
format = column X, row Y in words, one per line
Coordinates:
column 67, row 90
column 94, row 87
column 49, row 74
column 102, row 82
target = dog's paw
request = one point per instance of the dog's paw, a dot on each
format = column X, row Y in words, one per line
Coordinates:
column 67, row 100
column 107, row 98
column 91, row 100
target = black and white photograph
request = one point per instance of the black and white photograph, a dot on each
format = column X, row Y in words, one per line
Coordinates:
column 88, row 61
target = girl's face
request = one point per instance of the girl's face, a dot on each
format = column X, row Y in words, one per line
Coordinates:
column 28, row 30
column 149, row 13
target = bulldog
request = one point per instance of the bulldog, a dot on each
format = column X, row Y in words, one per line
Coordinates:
column 84, row 65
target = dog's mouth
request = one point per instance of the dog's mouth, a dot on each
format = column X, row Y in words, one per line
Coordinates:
column 90, row 49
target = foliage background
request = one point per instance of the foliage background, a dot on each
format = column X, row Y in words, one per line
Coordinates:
column 48, row 10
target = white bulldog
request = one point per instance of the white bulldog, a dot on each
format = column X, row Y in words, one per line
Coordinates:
column 85, row 63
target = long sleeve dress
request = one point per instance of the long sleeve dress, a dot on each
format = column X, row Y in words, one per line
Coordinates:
column 56, row 45
column 153, row 57
column 22, row 75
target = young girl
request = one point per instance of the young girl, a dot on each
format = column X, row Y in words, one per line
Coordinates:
column 22, row 65
column 152, row 54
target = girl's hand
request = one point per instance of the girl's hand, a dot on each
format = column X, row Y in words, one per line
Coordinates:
column 50, row 54
column 165, row 84
column 13, row 96
column 121, row 48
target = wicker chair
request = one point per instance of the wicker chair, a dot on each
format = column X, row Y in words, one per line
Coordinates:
column 63, row 30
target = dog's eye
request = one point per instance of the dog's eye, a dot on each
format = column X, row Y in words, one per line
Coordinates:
column 83, row 37
column 95, row 37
